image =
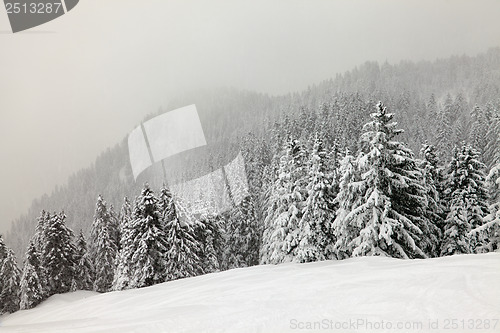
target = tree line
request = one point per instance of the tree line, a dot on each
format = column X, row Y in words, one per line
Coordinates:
column 314, row 199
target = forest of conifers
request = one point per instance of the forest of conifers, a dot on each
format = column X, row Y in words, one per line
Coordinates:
column 324, row 164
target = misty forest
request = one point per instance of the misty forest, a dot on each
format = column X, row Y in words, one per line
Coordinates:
column 398, row 160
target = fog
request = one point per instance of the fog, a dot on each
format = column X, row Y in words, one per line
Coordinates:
column 77, row 85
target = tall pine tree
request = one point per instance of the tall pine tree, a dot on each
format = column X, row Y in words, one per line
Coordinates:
column 468, row 201
column 103, row 246
column 9, row 281
column 31, row 289
column 149, row 244
column 316, row 237
column 390, row 212
column 58, row 255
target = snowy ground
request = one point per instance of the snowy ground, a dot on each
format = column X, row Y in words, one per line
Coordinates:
column 361, row 294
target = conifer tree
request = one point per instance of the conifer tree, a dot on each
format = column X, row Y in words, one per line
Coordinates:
column 58, row 256
column 124, row 265
column 209, row 234
column 31, row 290
column 434, row 211
column 468, row 201
column 149, row 244
column 285, row 203
column 316, row 237
column 243, row 236
column 479, row 129
column 348, row 197
column 103, row 247
column 183, row 245
column 84, row 269
column 9, row 280
column 444, row 134
column 3, row 255
column 390, row 213
column 489, row 232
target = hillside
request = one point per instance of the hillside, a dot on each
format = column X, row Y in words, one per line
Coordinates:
column 256, row 124
column 350, row 295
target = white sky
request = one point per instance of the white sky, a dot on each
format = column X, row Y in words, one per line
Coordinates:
column 77, row 85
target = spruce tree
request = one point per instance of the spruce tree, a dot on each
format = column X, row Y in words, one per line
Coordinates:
column 31, row 289
column 124, row 265
column 285, row 203
column 58, row 255
column 209, row 234
column 316, row 237
column 468, row 201
column 434, row 211
column 243, row 235
column 183, row 246
column 103, row 246
column 149, row 243
column 390, row 213
column 9, row 281
column 489, row 232
column 348, row 197
column 84, row 269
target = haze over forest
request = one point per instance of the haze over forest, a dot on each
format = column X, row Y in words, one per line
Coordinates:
column 79, row 84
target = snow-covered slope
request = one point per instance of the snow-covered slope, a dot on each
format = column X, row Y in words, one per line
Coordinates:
column 347, row 295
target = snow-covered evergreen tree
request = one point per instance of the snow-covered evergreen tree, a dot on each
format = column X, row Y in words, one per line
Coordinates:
column 183, row 245
column 243, row 235
column 103, row 246
column 492, row 150
column 84, row 269
column 149, row 244
column 348, row 197
column 489, row 231
column 58, row 255
column 3, row 252
column 209, row 234
column 390, row 214
column 316, row 237
column 31, row 289
column 285, row 203
column 468, row 201
column 40, row 244
column 9, row 281
column 435, row 210
column 124, row 265
column 445, row 131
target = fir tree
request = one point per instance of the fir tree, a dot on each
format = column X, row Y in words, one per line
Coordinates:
column 84, row 270
column 348, row 197
column 489, row 231
column 468, row 201
column 31, row 292
column 390, row 212
column 103, row 246
column 444, row 133
column 316, row 225
column 287, row 196
column 182, row 255
column 479, row 129
column 58, row 255
column 9, row 281
column 124, row 265
column 243, row 236
column 434, row 211
column 209, row 234
column 149, row 244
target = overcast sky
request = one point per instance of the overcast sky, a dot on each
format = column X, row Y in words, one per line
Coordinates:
column 77, row 85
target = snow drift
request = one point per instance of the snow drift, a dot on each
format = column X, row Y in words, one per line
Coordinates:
column 454, row 294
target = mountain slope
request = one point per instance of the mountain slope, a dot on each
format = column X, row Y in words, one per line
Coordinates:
column 350, row 294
